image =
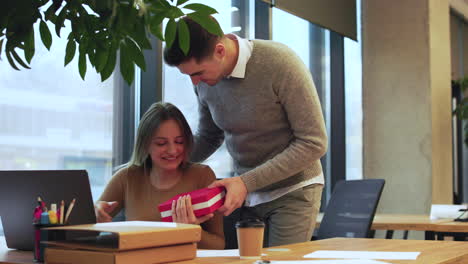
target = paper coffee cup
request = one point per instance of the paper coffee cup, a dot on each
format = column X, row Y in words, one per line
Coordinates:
column 250, row 238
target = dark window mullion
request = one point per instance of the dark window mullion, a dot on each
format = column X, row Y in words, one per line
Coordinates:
column 151, row 89
column 262, row 20
column 337, row 147
column 241, row 17
column 123, row 119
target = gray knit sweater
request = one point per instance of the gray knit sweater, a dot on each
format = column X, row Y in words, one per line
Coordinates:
column 271, row 120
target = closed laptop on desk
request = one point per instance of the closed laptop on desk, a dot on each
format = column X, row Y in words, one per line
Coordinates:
column 18, row 198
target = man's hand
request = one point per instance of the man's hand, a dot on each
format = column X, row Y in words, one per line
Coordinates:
column 236, row 191
column 182, row 212
column 103, row 209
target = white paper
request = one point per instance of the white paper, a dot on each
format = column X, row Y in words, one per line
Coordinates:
column 363, row 255
column 139, row 223
column 278, row 249
column 219, row 253
column 335, row 261
column 441, row 211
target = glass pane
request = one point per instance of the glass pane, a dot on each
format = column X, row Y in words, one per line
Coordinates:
column 295, row 35
column 178, row 90
column 311, row 44
column 52, row 119
column 353, row 103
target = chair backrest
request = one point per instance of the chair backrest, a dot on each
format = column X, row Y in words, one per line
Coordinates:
column 351, row 209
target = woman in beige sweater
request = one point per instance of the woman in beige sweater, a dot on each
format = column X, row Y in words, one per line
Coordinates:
column 158, row 170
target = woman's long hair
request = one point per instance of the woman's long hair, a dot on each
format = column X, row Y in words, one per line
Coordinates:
column 149, row 123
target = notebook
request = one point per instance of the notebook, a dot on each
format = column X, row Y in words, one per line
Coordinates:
column 18, row 198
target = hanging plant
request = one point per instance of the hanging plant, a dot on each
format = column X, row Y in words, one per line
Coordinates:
column 99, row 29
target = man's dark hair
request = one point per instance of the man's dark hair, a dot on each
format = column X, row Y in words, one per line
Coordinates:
column 202, row 44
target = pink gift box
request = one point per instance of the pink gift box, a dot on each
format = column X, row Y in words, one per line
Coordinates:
column 204, row 201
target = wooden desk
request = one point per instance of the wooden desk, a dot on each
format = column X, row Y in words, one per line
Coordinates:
column 432, row 252
column 455, row 229
column 14, row 256
column 405, row 222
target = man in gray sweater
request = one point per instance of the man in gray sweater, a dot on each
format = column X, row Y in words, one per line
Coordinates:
column 258, row 97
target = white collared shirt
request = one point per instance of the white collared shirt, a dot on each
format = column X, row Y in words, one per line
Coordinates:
column 245, row 51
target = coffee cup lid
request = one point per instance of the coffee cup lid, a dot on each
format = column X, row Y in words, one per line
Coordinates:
column 250, row 223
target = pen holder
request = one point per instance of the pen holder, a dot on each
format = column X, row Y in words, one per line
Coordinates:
column 41, row 235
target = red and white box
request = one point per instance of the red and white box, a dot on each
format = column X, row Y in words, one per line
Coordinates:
column 204, row 201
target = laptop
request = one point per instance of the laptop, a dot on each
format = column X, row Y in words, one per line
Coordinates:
column 18, row 198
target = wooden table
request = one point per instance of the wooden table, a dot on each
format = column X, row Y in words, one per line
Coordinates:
column 432, row 252
column 14, row 256
column 458, row 230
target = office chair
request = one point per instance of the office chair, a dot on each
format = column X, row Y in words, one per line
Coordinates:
column 351, row 209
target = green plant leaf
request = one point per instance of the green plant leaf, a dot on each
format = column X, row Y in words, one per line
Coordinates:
column 11, row 61
column 83, row 44
column 127, row 68
column 60, row 20
column 155, row 25
column 164, row 3
column 56, row 4
column 19, row 60
column 174, row 12
column 181, row 2
column 110, row 65
column 184, row 36
column 1, row 47
column 170, row 32
column 102, row 55
column 70, row 51
column 82, row 64
column 139, row 35
column 159, row 6
column 49, row 14
column 29, row 46
column 91, row 52
column 206, row 22
column 45, row 34
column 136, row 54
column 201, row 8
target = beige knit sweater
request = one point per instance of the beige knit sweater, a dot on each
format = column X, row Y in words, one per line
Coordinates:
column 271, row 120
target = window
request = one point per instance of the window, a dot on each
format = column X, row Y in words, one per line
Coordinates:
column 295, row 35
column 311, row 43
column 51, row 119
column 178, row 89
column 353, row 103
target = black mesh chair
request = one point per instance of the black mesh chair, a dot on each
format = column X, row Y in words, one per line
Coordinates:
column 351, row 209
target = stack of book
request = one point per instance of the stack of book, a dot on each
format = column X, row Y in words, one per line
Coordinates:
column 123, row 242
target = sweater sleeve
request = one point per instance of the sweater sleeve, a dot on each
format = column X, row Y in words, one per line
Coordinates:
column 208, row 137
column 115, row 190
column 297, row 94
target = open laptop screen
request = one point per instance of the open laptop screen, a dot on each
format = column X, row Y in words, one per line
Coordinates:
column 18, row 198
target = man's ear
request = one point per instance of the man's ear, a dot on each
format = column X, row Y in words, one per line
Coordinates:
column 219, row 50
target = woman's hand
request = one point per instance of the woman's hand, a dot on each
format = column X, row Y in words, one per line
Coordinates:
column 182, row 212
column 103, row 209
